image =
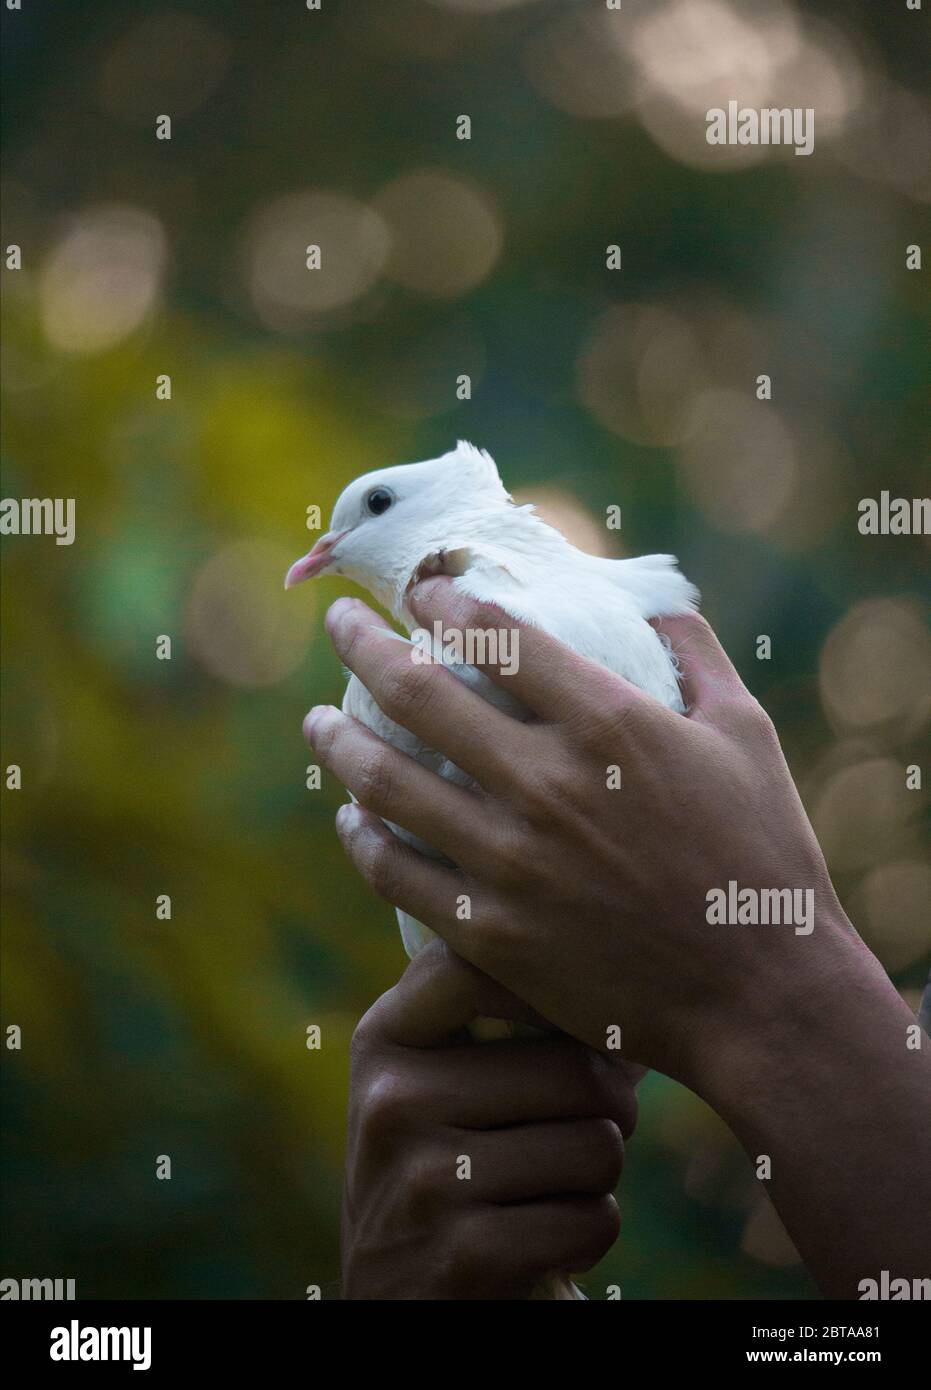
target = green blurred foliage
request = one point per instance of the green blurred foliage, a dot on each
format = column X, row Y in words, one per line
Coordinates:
column 143, row 777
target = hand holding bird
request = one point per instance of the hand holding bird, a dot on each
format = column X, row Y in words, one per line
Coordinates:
column 453, row 516
column 587, row 896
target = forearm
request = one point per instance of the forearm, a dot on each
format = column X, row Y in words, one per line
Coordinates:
column 834, row 1090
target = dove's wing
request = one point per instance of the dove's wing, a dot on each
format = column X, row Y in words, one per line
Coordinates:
column 600, row 609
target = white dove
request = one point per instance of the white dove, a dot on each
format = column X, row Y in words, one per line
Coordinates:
column 452, row 515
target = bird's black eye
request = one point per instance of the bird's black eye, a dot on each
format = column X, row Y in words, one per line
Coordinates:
column 378, row 501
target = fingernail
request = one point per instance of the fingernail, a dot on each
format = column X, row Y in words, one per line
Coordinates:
column 347, row 816
column 339, row 611
column 315, row 718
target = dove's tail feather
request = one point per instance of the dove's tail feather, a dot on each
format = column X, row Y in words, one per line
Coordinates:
column 655, row 584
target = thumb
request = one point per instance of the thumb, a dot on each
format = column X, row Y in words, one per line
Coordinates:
column 439, row 994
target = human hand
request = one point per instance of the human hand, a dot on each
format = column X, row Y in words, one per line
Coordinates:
column 587, row 901
column 540, row 1120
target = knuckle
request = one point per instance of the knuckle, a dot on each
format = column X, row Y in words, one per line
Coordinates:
column 627, row 718
column 406, row 689
column 371, row 1034
column 599, row 731
column 428, row 1182
column 364, row 1036
column 594, row 1076
column 438, row 960
column 382, row 869
column 508, row 863
column 608, row 1153
column 609, row 1090
column 373, row 779
column 623, row 1106
column 494, row 941
column 388, row 1104
column 543, row 790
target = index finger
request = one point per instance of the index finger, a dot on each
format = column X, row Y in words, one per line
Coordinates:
column 548, row 677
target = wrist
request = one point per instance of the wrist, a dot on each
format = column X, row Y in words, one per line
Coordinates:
column 827, row 1085
column 797, row 1019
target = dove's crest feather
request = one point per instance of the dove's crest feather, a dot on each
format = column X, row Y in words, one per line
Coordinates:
column 480, row 465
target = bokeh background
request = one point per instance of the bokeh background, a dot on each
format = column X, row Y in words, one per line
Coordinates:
column 186, row 777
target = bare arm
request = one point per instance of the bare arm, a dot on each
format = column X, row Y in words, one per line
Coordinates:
column 594, row 906
column 837, row 1094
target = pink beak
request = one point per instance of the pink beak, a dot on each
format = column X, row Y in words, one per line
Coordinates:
column 315, row 561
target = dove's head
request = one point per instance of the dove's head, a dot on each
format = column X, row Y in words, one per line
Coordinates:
column 397, row 524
